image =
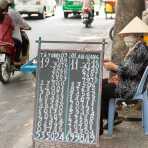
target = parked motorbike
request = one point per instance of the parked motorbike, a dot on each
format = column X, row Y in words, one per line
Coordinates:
column 7, row 56
column 87, row 17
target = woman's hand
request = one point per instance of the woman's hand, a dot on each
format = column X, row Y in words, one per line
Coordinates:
column 110, row 66
column 114, row 80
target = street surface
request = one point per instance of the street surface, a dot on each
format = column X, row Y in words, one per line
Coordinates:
column 17, row 97
column 71, row 29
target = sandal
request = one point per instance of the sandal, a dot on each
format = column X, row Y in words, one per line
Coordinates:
column 117, row 121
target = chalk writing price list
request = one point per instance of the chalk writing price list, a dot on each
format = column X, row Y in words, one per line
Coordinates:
column 67, row 97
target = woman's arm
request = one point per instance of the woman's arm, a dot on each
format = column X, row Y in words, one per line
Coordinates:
column 134, row 62
column 110, row 66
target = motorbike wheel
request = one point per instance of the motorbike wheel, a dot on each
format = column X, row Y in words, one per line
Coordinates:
column 43, row 14
column 65, row 15
column 86, row 25
column 5, row 71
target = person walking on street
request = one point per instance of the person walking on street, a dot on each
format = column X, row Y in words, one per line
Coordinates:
column 18, row 23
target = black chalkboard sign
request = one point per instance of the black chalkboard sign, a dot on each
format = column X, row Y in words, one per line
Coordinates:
column 67, row 107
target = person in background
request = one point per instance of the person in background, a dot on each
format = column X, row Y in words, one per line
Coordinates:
column 89, row 4
column 129, row 72
column 18, row 23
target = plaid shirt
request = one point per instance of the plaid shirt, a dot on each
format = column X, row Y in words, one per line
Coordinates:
column 131, row 71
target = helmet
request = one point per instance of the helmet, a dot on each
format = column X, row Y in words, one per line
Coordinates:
column 3, row 4
column 10, row 1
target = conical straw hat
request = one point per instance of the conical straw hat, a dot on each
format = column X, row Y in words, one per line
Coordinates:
column 136, row 25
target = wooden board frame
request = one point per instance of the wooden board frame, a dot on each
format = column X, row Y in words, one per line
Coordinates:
column 101, row 52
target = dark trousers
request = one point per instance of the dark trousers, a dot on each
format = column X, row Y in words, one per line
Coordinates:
column 18, row 46
column 93, row 12
column 25, row 44
column 108, row 91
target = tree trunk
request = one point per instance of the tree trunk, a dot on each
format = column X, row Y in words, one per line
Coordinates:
column 126, row 10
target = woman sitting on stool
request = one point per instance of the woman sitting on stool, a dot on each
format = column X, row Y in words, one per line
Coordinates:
column 130, row 71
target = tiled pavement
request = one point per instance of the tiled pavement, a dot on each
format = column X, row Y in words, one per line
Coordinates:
column 128, row 134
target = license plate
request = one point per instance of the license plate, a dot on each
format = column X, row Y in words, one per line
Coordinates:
column 76, row 3
column 2, row 57
column 85, row 15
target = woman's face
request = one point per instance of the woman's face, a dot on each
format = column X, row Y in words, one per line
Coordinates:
column 130, row 40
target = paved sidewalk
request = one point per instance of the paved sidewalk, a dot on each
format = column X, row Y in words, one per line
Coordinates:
column 128, row 134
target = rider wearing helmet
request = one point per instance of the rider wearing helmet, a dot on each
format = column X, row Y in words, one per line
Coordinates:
column 12, row 19
column 19, row 23
column 89, row 4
